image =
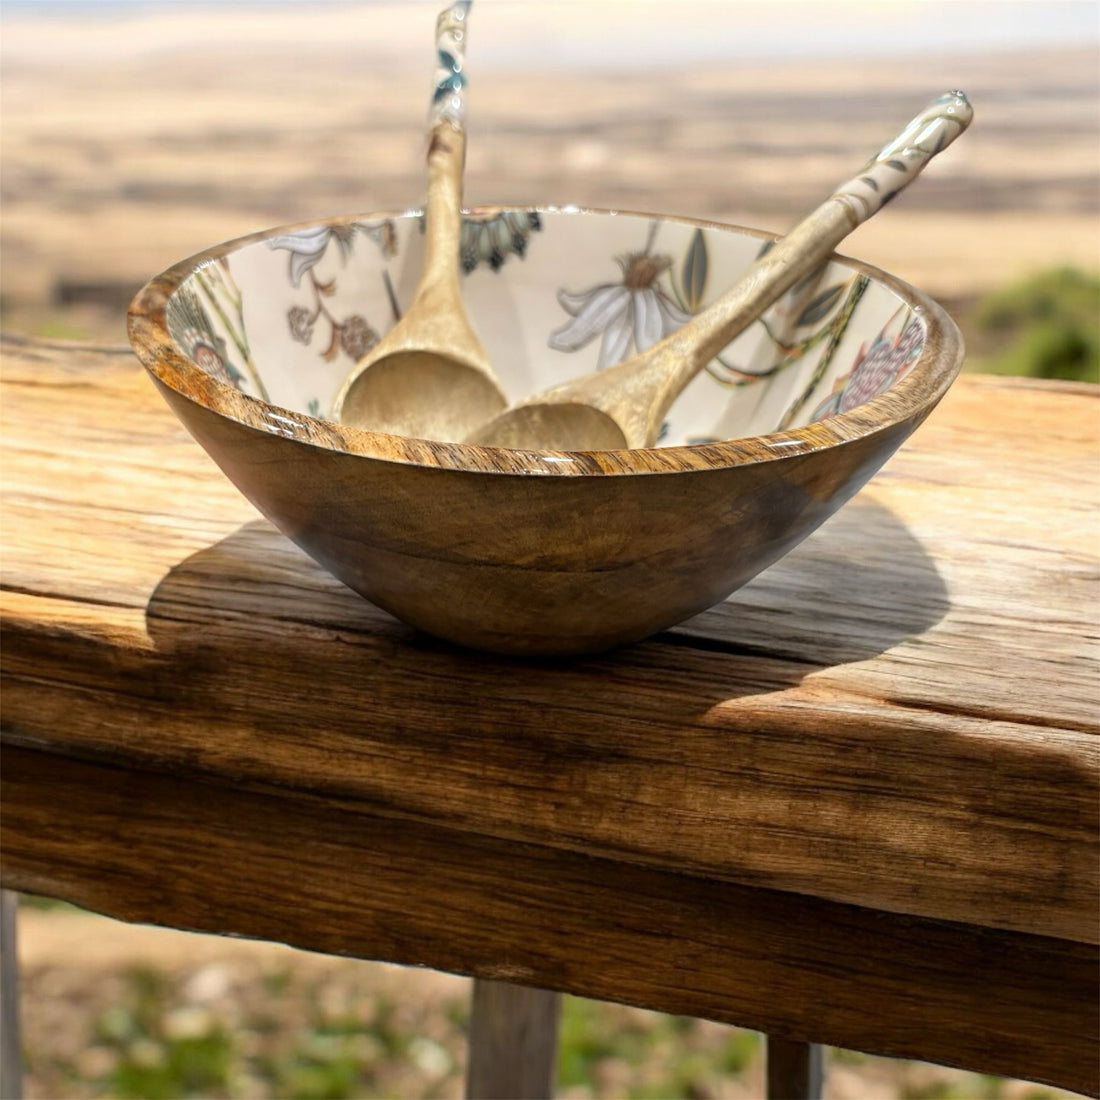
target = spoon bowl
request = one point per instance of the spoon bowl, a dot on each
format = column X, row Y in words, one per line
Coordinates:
column 433, row 349
column 401, row 391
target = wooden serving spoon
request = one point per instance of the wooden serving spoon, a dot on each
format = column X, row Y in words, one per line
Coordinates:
column 429, row 376
column 625, row 405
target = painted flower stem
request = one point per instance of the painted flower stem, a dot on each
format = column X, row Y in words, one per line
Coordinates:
column 836, row 335
column 238, row 338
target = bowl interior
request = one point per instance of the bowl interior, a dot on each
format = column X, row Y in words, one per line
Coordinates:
column 553, row 294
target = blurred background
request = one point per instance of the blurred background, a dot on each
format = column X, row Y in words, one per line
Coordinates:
column 136, row 133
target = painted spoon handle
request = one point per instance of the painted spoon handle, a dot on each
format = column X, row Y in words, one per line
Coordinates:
column 813, row 239
column 449, row 89
column 900, row 161
column 446, row 154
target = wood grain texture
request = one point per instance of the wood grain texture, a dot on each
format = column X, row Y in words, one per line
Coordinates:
column 900, row 715
column 317, row 873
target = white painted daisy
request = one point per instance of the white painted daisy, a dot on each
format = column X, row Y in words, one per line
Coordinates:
column 307, row 246
column 632, row 315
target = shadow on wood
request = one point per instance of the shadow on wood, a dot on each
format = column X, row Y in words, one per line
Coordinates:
column 699, row 751
column 853, row 590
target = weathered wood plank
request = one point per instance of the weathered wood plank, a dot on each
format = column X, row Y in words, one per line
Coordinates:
column 898, row 715
column 912, row 567
column 862, row 809
column 155, row 848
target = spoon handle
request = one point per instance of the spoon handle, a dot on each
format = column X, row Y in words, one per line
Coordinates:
column 900, row 161
column 446, row 154
column 813, row 239
column 449, row 89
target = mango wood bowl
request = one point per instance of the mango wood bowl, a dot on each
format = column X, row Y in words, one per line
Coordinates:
column 541, row 552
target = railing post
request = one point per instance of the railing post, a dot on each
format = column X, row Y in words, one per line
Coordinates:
column 11, row 1053
column 795, row 1069
column 513, row 1042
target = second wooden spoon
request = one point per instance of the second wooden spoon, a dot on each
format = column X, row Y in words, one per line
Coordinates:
column 625, row 405
column 429, row 376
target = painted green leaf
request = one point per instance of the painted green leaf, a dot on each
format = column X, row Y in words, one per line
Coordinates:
column 819, row 307
column 694, row 273
column 869, row 181
column 445, row 87
column 898, row 165
column 448, row 61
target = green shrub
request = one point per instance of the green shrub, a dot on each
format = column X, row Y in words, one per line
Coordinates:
column 1045, row 326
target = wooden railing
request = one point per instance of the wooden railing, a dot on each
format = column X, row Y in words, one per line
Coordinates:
column 855, row 804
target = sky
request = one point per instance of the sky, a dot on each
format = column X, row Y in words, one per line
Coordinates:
column 679, row 31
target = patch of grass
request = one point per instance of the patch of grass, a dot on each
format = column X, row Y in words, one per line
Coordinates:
column 844, row 1057
column 738, row 1052
column 1045, row 326
column 615, row 1051
column 991, row 1088
column 145, row 1059
column 458, row 1015
column 689, row 1077
column 58, row 328
column 37, row 901
column 173, row 1069
column 935, row 1090
column 584, row 1040
column 387, row 1029
column 114, row 1026
column 308, row 1075
column 277, row 982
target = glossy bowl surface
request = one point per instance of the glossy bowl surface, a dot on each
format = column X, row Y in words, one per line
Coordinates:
column 542, row 552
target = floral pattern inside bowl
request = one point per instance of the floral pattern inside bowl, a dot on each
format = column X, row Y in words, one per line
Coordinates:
column 553, row 294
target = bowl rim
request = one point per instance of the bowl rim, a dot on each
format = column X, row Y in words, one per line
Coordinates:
column 912, row 397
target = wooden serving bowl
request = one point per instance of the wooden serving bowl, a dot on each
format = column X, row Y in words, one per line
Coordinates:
column 540, row 552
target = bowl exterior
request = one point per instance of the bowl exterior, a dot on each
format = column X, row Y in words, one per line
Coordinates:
column 530, row 565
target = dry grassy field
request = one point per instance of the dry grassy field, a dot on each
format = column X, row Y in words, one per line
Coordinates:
column 131, row 141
